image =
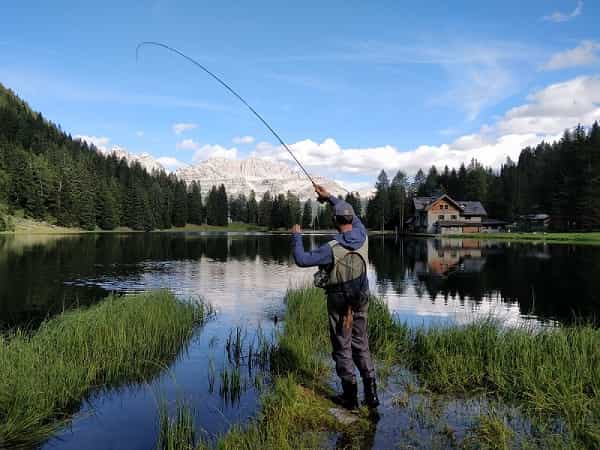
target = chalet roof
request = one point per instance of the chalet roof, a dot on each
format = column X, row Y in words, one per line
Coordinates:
column 468, row 208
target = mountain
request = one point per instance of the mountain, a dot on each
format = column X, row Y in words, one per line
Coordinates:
column 254, row 174
column 146, row 160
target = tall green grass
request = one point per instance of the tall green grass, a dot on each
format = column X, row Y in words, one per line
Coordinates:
column 45, row 375
column 553, row 373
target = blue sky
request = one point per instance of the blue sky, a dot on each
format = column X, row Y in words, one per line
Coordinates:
column 355, row 86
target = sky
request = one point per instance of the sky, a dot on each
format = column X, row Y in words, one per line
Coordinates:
column 353, row 86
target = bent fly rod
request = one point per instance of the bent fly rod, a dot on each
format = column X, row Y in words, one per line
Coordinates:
column 230, row 89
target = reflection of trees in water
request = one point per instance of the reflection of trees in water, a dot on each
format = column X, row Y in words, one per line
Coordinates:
column 391, row 260
column 556, row 281
column 563, row 279
column 34, row 270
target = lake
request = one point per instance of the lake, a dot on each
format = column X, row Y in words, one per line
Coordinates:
column 245, row 277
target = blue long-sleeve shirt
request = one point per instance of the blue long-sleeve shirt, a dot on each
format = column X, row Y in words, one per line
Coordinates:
column 323, row 255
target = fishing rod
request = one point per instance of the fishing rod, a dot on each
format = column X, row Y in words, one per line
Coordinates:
column 230, row 89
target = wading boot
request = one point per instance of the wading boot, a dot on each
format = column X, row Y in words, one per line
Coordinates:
column 349, row 397
column 371, row 399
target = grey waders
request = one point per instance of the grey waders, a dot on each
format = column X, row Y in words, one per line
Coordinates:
column 347, row 288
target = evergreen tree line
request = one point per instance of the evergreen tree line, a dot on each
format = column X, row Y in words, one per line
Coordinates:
column 561, row 179
column 49, row 175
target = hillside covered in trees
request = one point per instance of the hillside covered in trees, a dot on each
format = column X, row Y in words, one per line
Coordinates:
column 50, row 176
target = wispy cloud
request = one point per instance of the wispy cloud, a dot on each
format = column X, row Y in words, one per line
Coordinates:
column 585, row 54
column 187, row 144
column 179, row 128
column 243, row 140
column 558, row 16
column 139, row 133
column 480, row 74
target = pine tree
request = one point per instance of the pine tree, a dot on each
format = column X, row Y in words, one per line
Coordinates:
column 398, row 200
column 252, row 216
column 180, row 211
column 195, row 204
column 307, row 214
column 378, row 208
column 222, row 206
column 265, row 210
column 294, row 210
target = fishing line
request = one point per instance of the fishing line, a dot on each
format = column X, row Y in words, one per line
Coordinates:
column 230, row 89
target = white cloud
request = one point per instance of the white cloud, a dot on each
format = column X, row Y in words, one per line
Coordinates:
column 546, row 115
column 179, row 128
column 139, row 133
column 214, row 151
column 555, row 108
column 101, row 143
column 243, row 140
column 187, row 144
column 584, row 54
column 170, row 163
column 558, row 16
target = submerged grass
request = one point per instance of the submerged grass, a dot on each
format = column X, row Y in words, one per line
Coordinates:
column 44, row 375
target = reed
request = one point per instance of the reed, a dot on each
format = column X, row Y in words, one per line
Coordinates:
column 178, row 432
column 45, row 374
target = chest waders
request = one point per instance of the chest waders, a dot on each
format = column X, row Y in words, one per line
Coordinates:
column 348, row 275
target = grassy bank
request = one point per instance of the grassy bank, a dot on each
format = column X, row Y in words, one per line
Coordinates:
column 559, row 238
column 552, row 375
column 30, row 226
column 44, row 375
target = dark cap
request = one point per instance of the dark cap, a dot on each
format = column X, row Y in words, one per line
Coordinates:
column 343, row 208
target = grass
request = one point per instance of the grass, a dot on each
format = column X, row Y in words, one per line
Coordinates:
column 234, row 226
column 177, row 433
column 560, row 238
column 44, row 375
column 553, row 374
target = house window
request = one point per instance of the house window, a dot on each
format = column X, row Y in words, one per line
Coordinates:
column 441, row 217
column 467, row 218
column 445, row 206
column 454, row 218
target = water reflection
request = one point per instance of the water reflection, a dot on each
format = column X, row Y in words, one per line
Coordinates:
column 245, row 278
column 421, row 278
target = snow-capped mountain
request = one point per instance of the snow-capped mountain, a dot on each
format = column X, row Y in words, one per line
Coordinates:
column 254, row 174
column 146, row 160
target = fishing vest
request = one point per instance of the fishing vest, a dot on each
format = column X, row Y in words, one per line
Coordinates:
column 348, row 265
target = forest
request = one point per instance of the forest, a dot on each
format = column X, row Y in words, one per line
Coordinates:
column 50, row 176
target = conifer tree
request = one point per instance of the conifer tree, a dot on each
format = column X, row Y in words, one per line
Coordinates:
column 307, row 214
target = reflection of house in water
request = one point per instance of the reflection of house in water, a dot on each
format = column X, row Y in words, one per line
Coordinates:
column 451, row 256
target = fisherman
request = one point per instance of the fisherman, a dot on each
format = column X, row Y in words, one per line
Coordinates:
column 342, row 273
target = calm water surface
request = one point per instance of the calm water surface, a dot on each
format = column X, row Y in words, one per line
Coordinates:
column 245, row 278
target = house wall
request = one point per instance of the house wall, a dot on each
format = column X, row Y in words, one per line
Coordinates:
column 440, row 208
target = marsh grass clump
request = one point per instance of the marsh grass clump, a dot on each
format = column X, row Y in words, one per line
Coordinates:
column 553, row 373
column 45, row 374
column 178, row 432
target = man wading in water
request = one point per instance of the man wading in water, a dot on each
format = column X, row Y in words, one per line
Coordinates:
column 342, row 273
